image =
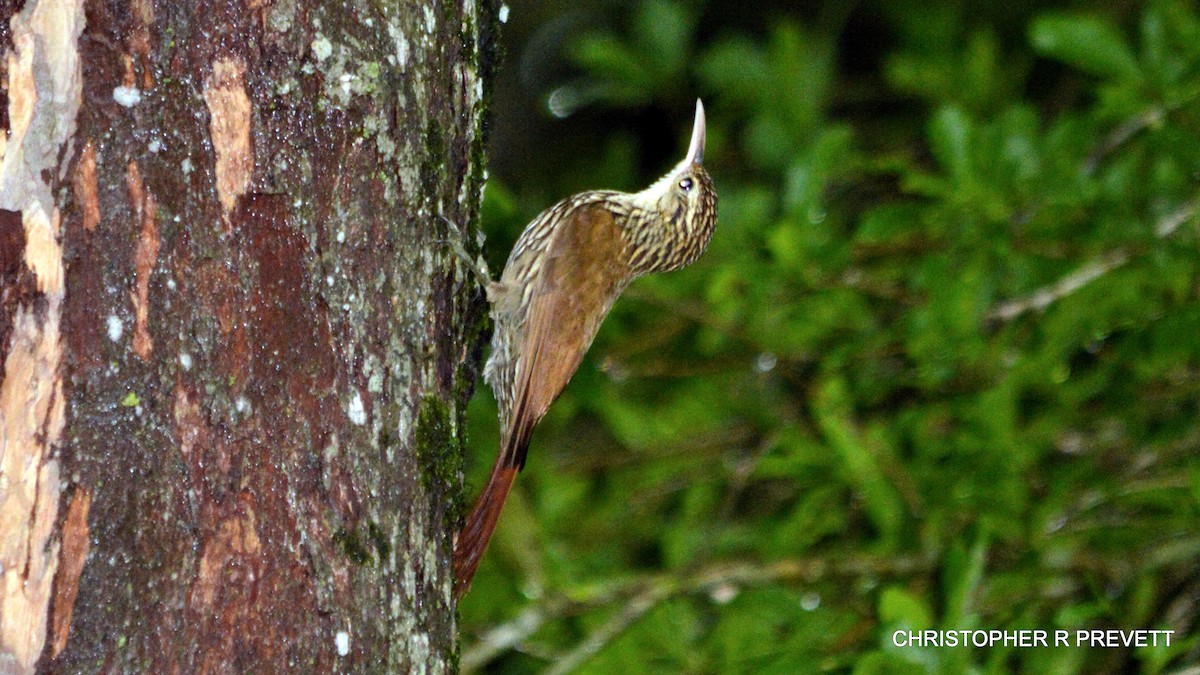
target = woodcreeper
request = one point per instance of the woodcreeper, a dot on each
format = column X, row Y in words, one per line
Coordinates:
column 562, row 277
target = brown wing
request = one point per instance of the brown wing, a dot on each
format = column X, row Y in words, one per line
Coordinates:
column 584, row 270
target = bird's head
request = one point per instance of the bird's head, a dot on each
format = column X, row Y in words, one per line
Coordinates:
column 679, row 211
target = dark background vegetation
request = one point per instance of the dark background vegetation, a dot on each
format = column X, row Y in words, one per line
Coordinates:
column 939, row 368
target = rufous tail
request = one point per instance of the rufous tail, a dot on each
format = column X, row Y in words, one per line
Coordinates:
column 473, row 539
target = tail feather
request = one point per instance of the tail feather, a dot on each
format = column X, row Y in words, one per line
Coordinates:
column 473, row 539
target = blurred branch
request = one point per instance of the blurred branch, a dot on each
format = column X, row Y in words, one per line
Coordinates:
column 1151, row 117
column 640, row 595
column 1092, row 270
column 1117, row 137
column 694, row 448
column 665, row 367
column 739, row 477
column 694, row 311
column 637, row 606
column 1049, row 294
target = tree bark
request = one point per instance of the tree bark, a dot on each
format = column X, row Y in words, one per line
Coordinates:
column 236, row 351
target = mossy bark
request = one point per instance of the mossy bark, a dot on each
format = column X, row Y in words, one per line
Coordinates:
column 250, row 378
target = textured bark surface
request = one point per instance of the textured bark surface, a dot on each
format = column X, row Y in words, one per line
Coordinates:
column 236, row 354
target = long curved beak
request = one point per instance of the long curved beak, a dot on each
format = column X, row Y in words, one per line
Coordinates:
column 696, row 149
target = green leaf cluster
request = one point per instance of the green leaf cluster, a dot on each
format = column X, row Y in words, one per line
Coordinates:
column 939, row 369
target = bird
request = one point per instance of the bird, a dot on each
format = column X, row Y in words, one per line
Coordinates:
column 561, row 279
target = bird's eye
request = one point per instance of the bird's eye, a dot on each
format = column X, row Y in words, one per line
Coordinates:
column 685, row 184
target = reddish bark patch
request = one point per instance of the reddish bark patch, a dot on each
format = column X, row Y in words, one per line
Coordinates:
column 248, row 574
column 12, row 245
column 101, row 53
column 196, row 444
column 145, row 211
column 84, row 185
column 289, row 338
column 288, row 327
column 76, row 543
column 245, row 585
column 139, row 39
column 83, row 322
column 229, row 126
column 233, row 551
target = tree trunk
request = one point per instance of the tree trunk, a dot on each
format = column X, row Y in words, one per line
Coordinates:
column 235, row 348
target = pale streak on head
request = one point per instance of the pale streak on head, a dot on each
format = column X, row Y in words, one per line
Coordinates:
column 650, row 197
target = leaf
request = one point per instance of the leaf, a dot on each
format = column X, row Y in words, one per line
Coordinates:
column 622, row 72
column 950, row 136
column 832, row 408
column 898, row 607
column 1088, row 43
column 664, row 31
column 963, row 573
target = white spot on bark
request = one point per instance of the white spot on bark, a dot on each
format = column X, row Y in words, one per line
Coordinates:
column 503, row 13
column 418, row 647
column 342, row 640
column 115, row 328
column 127, row 96
column 357, row 413
column 185, row 360
column 399, row 57
column 322, row 48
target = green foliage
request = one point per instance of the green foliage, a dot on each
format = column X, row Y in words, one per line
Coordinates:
column 630, row 68
column 1088, row 43
column 940, row 368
